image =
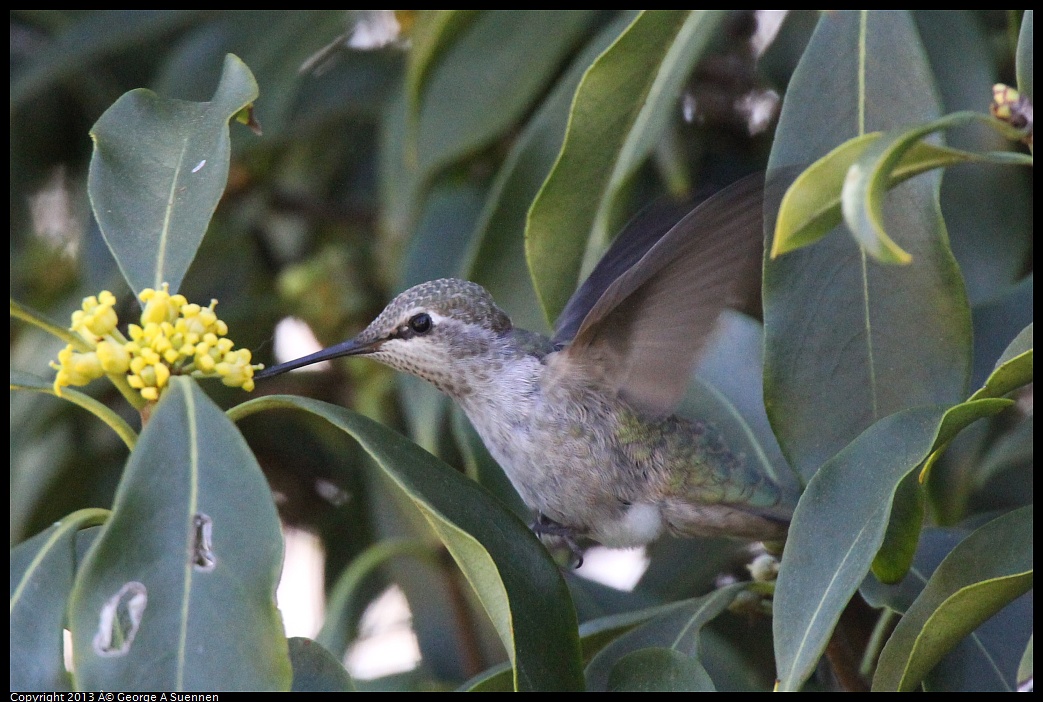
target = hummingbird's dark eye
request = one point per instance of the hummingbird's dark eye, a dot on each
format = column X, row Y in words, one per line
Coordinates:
column 420, row 323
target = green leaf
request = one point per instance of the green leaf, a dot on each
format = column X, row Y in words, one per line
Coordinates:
column 513, row 575
column 987, row 570
column 443, row 233
column 497, row 259
column 42, row 572
column 158, row 171
column 598, row 633
column 896, row 553
column 847, row 341
column 620, row 111
column 475, row 91
column 432, row 35
column 97, row 35
column 991, row 243
column 178, row 592
column 856, row 175
column 1013, row 369
column 811, row 207
column 280, row 63
column 1025, row 668
column 658, row 670
column 934, row 546
column 678, row 629
column 840, row 522
column 872, row 175
column 315, row 669
column 657, row 113
column 1024, row 57
column 499, row 678
column 987, row 659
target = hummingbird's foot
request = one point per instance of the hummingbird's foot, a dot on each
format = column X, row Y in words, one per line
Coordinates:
column 545, row 526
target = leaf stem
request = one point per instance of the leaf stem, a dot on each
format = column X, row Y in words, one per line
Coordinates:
column 98, row 409
column 38, row 320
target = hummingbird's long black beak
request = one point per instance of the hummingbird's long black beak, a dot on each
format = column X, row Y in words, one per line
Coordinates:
column 351, row 347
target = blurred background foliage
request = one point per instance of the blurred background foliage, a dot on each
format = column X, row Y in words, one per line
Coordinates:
column 401, row 147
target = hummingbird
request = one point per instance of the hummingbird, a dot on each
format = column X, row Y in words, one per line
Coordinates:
column 582, row 423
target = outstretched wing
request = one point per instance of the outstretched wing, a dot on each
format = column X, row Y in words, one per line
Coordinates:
column 650, row 307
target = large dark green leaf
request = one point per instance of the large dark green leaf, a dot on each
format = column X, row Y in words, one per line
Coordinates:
column 158, row 170
column 987, row 659
column 849, row 341
column 986, row 571
column 42, row 572
column 178, row 592
column 471, row 92
column 499, row 678
column 620, row 112
column 596, row 634
column 992, row 244
column 482, row 84
column 840, row 522
column 513, row 575
column 497, row 259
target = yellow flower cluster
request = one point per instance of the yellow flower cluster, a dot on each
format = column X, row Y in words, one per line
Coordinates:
column 174, row 337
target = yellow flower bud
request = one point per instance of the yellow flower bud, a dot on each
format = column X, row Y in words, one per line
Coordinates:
column 162, row 374
column 114, row 358
column 76, row 368
column 160, row 305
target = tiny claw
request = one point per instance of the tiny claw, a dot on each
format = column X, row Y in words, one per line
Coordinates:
column 545, row 526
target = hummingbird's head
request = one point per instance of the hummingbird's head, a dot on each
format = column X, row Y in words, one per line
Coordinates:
column 444, row 331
